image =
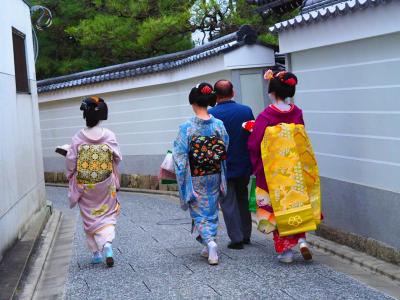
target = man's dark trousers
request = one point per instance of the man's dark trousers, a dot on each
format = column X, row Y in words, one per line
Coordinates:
column 235, row 209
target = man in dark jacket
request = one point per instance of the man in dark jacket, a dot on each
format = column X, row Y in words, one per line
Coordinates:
column 235, row 205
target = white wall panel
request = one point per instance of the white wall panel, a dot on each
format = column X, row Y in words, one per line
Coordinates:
column 360, row 123
column 21, row 165
column 350, row 99
column 380, row 73
column 250, row 56
column 145, row 120
column 364, row 147
column 252, row 91
column 378, row 174
column 355, row 52
column 8, row 174
column 349, row 96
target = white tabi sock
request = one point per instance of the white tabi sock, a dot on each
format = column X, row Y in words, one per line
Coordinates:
column 212, row 250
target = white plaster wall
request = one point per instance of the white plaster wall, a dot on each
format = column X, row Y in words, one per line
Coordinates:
column 250, row 56
column 360, row 24
column 145, row 111
column 145, row 119
column 21, row 176
column 349, row 93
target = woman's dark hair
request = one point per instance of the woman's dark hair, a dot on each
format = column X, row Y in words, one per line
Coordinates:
column 94, row 110
column 203, row 95
column 283, row 84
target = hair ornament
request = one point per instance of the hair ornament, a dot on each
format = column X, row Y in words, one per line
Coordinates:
column 291, row 81
column 249, row 125
column 206, row 90
column 268, row 75
column 280, row 75
column 95, row 99
column 84, row 106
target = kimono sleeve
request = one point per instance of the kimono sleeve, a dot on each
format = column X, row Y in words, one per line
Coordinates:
column 74, row 191
column 71, row 158
column 225, row 137
column 117, row 157
column 254, row 144
column 301, row 118
column 182, row 168
column 113, row 143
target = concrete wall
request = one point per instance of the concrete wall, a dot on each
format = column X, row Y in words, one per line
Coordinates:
column 21, row 176
column 349, row 94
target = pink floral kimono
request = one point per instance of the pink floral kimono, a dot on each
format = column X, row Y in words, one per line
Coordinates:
column 92, row 171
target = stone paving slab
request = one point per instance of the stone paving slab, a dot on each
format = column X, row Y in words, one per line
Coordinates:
column 52, row 282
column 159, row 261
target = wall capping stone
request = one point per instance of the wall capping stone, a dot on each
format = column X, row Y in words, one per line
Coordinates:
column 135, row 181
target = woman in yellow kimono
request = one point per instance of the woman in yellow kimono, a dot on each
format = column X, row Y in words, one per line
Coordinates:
column 288, row 192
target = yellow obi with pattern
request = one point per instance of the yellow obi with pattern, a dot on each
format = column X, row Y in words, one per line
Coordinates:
column 292, row 177
column 95, row 163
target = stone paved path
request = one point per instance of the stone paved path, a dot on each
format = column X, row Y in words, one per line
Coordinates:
column 157, row 258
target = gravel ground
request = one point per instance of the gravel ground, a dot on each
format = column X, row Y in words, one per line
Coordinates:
column 157, row 258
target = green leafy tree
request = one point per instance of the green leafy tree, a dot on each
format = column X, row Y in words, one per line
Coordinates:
column 88, row 34
column 215, row 18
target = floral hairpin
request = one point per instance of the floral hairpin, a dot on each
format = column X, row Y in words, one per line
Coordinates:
column 206, row 90
column 268, row 75
column 291, row 81
column 281, row 77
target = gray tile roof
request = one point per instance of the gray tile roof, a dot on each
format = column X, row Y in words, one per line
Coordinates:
column 342, row 8
column 227, row 43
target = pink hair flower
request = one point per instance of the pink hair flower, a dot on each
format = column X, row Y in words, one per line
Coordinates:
column 206, row 90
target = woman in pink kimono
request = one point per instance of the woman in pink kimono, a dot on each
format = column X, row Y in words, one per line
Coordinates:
column 92, row 162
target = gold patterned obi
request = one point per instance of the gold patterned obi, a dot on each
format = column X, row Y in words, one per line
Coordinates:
column 94, row 163
column 292, row 177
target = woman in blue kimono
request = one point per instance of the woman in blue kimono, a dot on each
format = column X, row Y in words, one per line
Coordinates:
column 199, row 154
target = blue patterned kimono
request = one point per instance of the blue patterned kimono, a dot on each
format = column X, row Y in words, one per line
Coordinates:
column 200, row 193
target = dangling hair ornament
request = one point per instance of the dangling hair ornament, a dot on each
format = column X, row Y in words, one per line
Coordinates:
column 206, row 90
column 268, row 75
column 95, row 99
column 281, row 77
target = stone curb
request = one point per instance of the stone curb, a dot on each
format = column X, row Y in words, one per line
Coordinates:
column 364, row 260
column 354, row 256
column 36, row 270
column 373, row 264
